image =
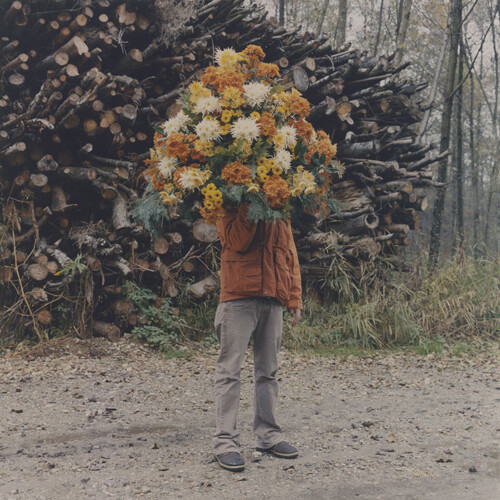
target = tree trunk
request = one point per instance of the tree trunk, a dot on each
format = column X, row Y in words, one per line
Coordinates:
column 321, row 19
column 493, row 185
column 450, row 229
column 473, row 168
column 402, row 31
column 341, row 23
column 435, row 81
column 282, row 12
column 379, row 28
column 437, row 215
column 459, row 173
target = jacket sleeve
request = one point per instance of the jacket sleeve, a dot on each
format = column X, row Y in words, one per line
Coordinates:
column 295, row 300
column 235, row 231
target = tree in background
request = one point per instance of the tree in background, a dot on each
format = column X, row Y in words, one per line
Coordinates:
column 403, row 21
column 319, row 29
column 454, row 24
column 340, row 31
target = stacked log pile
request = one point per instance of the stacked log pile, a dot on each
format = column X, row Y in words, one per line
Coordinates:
column 84, row 83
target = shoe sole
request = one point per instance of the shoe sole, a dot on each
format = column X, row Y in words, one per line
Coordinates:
column 232, row 468
column 278, row 454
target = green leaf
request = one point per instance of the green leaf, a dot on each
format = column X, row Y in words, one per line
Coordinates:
column 150, row 211
column 334, row 204
column 233, row 194
column 261, row 148
column 300, row 148
column 258, row 209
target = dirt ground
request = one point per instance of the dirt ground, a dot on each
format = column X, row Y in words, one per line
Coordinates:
column 116, row 420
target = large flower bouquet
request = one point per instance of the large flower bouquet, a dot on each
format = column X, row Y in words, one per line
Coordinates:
column 241, row 137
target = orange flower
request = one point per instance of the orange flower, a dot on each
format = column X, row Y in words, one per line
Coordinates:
column 158, row 183
column 229, row 79
column 304, row 129
column 276, row 190
column 267, row 124
column 211, row 216
column 197, row 156
column 194, row 154
column 254, row 52
column 157, row 140
column 222, row 80
column 326, row 147
column 297, row 104
column 210, row 76
column 236, row 173
column 322, row 146
column 268, row 70
column 175, row 146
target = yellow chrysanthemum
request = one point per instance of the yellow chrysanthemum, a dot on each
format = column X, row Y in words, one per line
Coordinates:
column 198, row 90
column 227, row 59
column 232, row 97
column 279, row 141
column 226, row 116
column 168, row 196
column 204, row 147
column 225, row 129
column 303, row 182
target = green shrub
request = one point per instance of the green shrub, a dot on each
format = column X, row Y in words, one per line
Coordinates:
column 162, row 327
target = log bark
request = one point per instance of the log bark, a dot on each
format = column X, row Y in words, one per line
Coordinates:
column 107, row 330
column 204, row 232
column 199, row 289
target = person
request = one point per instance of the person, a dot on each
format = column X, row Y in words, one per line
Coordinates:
column 259, row 275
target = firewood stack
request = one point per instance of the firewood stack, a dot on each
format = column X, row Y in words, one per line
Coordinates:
column 84, row 83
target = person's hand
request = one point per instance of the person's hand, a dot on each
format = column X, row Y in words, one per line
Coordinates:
column 296, row 313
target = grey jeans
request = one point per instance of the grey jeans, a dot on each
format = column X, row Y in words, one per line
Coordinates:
column 235, row 323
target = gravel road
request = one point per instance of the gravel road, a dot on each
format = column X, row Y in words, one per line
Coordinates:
column 116, row 420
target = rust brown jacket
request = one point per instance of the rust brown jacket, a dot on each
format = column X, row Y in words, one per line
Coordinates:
column 258, row 259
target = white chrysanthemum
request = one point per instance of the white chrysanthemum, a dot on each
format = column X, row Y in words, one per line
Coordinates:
column 289, row 135
column 256, row 93
column 192, row 178
column 283, row 159
column 208, row 130
column 167, row 166
column 245, row 128
column 206, row 105
column 226, row 58
column 176, row 123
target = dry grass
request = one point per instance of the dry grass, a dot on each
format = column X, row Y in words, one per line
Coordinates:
column 460, row 301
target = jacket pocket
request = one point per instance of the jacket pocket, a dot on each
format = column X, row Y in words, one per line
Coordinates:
column 241, row 274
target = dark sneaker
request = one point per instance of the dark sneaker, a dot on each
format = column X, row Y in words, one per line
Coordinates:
column 231, row 461
column 282, row 450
